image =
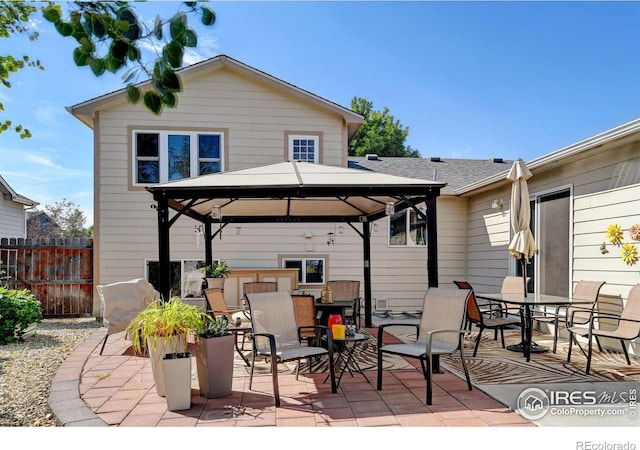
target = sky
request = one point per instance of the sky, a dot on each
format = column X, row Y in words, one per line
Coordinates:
column 509, row 79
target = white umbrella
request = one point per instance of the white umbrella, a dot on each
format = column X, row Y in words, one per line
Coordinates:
column 523, row 244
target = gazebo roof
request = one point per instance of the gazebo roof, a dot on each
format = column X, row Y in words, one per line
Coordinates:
column 294, row 192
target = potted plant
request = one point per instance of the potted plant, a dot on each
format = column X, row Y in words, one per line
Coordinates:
column 162, row 328
column 216, row 273
column 214, row 357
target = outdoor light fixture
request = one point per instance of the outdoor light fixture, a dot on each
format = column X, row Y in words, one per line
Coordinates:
column 390, row 208
column 375, row 227
column 331, row 239
column 216, row 212
column 308, row 235
column 497, row 203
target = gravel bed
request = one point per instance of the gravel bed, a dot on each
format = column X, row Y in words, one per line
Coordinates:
column 27, row 368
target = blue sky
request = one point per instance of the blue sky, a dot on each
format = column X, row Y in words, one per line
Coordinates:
column 469, row 79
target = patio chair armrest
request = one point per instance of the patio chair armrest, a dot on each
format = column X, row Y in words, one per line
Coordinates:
column 460, row 333
column 319, row 328
column 385, row 325
column 572, row 310
column 272, row 342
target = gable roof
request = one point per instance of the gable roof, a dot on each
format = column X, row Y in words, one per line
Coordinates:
column 10, row 195
column 85, row 111
column 455, row 172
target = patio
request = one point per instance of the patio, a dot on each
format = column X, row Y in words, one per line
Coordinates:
column 117, row 390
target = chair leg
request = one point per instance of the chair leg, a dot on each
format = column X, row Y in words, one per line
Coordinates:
column 626, row 353
column 555, row 334
column 274, row 378
column 589, row 352
column 501, row 336
column 464, row 362
column 253, row 364
column 104, row 342
column 428, row 373
column 475, row 350
column 570, row 345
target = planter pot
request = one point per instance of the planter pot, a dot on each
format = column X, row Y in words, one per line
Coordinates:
column 176, row 368
column 214, row 359
column 217, row 283
column 173, row 344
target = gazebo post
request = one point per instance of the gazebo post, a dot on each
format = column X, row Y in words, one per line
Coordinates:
column 164, row 256
column 208, row 251
column 432, row 243
column 366, row 247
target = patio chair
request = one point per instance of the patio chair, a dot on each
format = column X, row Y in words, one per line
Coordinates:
column 345, row 290
column 486, row 308
column 628, row 327
column 438, row 333
column 583, row 290
column 253, row 287
column 218, row 307
column 277, row 336
column 305, row 311
column 121, row 302
column 496, row 321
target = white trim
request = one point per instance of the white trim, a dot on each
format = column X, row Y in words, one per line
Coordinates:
column 163, row 152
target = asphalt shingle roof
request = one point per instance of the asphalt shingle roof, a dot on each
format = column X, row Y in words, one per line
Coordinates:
column 457, row 173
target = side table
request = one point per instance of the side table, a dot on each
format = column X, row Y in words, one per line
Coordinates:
column 345, row 359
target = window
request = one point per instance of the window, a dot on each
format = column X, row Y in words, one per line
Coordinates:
column 303, row 148
column 162, row 156
column 310, row 270
column 407, row 228
column 186, row 278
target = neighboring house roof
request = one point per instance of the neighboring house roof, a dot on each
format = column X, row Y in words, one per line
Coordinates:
column 39, row 224
column 84, row 111
column 455, row 172
column 10, row 195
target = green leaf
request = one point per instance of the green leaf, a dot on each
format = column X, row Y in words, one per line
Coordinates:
column 177, row 26
column 169, row 99
column 153, row 102
column 208, row 16
column 133, row 94
column 172, row 54
column 113, row 64
column 64, row 28
column 119, row 50
column 80, row 57
column 97, row 65
column 157, row 28
column 191, row 38
column 171, row 81
column 52, row 13
column 98, row 27
column 87, row 45
column 133, row 31
column 133, row 54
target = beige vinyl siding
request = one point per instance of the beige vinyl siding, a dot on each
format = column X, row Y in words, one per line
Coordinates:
column 255, row 120
column 12, row 220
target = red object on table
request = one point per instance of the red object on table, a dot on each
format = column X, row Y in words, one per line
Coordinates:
column 334, row 319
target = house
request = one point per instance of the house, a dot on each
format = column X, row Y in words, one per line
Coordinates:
column 232, row 116
column 13, row 210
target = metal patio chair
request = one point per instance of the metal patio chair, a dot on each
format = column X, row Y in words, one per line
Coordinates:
column 439, row 332
column 277, row 336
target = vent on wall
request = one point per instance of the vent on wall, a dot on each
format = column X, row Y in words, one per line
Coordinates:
column 381, row 304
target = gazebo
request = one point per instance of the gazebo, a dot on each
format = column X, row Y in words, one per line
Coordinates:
column 292, row 192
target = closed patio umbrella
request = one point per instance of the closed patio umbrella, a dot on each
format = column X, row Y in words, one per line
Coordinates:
column 523, row 244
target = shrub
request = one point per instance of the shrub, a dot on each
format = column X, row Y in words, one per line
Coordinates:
column 18, row 310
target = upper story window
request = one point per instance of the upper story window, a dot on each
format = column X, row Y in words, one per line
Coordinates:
column 304, row 148
column 407, row 228
column 162, row 156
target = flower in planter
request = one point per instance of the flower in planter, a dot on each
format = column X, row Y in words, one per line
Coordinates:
column 614, row 234
column 629, row 254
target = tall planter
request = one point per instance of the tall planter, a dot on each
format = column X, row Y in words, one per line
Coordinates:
column 217, row 283
column 176, row 369
column 214, row 360
column 172, row 344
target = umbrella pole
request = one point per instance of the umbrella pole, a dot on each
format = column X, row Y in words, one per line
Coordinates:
column 524, row 275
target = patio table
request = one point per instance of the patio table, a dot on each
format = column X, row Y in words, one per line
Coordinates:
column 526, row 302
column 347, row 346
column 337, row 307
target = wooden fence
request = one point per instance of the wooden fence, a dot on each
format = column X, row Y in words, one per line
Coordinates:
column 58, row 272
